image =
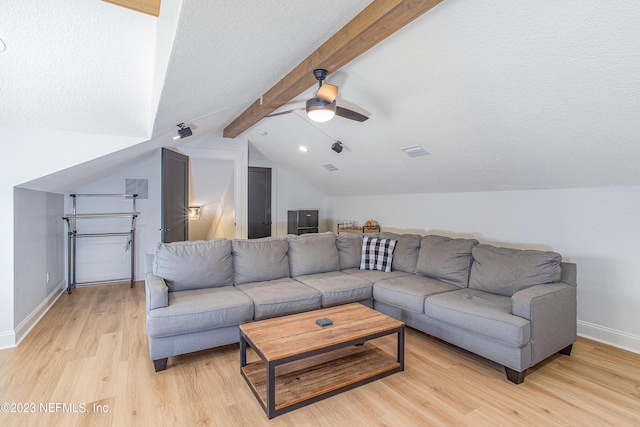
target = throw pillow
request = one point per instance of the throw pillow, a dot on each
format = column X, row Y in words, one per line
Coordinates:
column 377, row 254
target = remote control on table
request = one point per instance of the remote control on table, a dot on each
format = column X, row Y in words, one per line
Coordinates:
column 325, row 321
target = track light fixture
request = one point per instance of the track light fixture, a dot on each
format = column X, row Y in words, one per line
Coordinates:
column 337, row 147
column 183, row 131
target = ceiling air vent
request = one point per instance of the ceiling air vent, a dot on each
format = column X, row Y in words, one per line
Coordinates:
column 415, row 151
column 330, row 167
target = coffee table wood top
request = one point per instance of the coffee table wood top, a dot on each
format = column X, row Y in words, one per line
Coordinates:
column 291, row 335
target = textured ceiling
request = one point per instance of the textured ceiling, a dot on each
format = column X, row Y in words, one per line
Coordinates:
column 504, row 95
column 226, row 54
column 76, row 65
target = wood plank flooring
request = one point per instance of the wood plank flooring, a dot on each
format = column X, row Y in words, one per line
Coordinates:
column 87, row 363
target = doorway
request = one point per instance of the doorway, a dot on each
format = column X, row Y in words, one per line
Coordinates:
column 259, row 195
column 175, row 198
column 212, row 192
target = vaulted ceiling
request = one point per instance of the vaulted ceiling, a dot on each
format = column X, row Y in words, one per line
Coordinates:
column 503, row 95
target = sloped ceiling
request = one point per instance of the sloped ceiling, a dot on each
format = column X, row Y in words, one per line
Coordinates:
column 504, row 95
column 76, row 65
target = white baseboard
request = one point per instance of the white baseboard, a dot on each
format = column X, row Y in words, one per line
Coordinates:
column 7, row 339
column 613, row 337
column 34, row 317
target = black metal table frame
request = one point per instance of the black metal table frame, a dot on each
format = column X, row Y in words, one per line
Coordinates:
column 270, row 408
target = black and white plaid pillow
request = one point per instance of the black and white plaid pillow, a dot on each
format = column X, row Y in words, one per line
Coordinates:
column 377, row 254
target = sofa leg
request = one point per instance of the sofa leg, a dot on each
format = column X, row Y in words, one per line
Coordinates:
column 160, row 364
column 515, row 376
column 567, row 350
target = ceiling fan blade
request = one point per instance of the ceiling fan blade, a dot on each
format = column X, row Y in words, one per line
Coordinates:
column 327, row 92
column 350, row 114
column 285, row 112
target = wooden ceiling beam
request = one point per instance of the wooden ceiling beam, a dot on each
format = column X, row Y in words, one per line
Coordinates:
column 150, row 7
column 375, row 23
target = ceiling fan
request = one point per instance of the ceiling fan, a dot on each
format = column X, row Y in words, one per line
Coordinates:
column 322, row 107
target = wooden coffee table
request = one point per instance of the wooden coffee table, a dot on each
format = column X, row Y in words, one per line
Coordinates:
column 302, row 362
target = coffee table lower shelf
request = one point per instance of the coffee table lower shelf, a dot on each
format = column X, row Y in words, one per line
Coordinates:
column 314, row 378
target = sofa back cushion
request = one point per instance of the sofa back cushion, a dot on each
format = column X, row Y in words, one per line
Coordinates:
column 258, row 260
column 313, row 253
column 349, row 250
column 446, row 259
column 405, row 254
column 194, row 265
column 504, row 271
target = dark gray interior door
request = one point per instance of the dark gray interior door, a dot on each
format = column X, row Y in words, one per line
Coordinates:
column 175, row 196
column 259, row 203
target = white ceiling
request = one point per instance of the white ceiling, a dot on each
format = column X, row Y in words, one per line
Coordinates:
column 76, row 65
column 504, row 95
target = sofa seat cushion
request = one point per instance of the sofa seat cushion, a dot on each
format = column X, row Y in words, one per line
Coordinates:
column 504, row 271
column 199, row 310
column 408, row 292
column 375, row 275
column 339, row 288
column 280, row 297
column 194, row 265
column 481, row 313
column 313, row 253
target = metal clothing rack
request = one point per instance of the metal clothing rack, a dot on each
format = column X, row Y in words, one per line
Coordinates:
column 73, row 235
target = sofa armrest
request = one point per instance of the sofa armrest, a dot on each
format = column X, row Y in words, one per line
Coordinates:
column 551, row 310
column 157, row 292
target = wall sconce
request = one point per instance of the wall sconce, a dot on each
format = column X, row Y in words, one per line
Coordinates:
column 194, row 212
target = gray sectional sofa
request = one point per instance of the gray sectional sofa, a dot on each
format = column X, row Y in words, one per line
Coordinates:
column 515, row 307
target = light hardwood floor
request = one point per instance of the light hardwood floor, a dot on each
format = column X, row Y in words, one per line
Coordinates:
column 89, row 354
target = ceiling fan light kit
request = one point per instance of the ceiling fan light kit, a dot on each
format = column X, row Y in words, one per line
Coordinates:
column 322, row 107
column 319, row 110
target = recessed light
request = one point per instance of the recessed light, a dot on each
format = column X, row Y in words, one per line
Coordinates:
column 303, row 148
column 3, row 46
column 414, row 151
column 263, row 132
column 330, row 167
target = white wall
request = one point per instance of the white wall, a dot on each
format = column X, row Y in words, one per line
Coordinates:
column 39, row 271
column 597, row 228
column 105, row 258
column 223, row 224
column 289, row 192
column 293, row 193
column 218, row 148
column 210, row 181
column 29, row 154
